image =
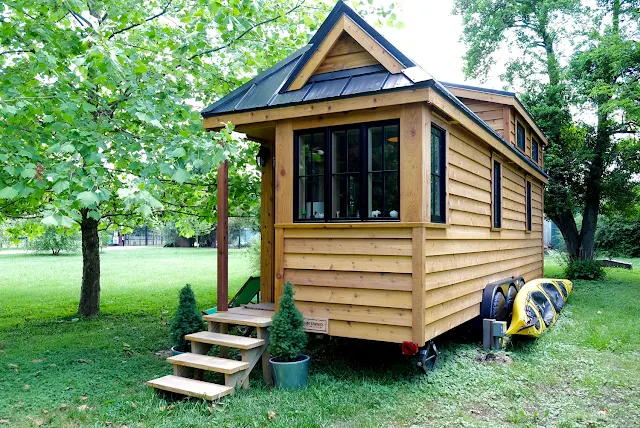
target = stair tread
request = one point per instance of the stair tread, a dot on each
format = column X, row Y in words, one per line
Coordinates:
column 239, row 342
column 240, row 319
column 206, row 362
column 191, row 387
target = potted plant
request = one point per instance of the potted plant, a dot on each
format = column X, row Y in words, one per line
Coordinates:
column 287, row 344
column 187, row 320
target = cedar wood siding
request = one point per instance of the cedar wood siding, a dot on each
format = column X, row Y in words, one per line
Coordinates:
column 461, row 259
column 362, row 278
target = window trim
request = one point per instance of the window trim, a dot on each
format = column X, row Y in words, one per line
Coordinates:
column 535, row 141
column 524, row 129
column 497, row 159
column 328, row 171
column 528, row 206
column 444, row 173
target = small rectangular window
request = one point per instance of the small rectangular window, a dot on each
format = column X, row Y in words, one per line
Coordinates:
column 529, row 206
column 438, row 175
column 521, row 137
column 534, row 151
column 311, row 155
column 383, row 172
column 497, row 195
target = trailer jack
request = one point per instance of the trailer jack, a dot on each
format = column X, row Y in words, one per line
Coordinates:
column 428, row 357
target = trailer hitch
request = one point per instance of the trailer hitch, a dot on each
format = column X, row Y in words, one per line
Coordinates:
column 428, row 357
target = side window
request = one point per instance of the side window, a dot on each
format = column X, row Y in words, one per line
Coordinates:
column 311, row 155
column 383, row 179
column 497, row 195
column 521, row 137
column 528, row 206
column 534, row 151
column 438, row 175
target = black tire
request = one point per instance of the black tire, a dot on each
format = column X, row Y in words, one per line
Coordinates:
column 499, row 307
column 511, row 297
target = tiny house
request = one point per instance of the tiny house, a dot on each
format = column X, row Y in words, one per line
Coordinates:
column 390, row 200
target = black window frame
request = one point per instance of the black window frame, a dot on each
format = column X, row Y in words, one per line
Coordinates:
column 328, row 172
column 497, row 194
column 520, row 126
column 529, row 213
column 536, row 145
column 440, row 217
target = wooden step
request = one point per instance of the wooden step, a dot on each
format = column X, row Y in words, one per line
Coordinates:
column 239, row 319
column 205, row 362
column 191, row 387
column 239, row 342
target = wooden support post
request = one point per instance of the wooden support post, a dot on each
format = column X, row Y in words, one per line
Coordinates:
column 267, row 219
column 267, row 375
column 418, row 293
column 223, row 237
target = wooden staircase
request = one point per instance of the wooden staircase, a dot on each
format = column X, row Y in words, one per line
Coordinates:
column 189, row 368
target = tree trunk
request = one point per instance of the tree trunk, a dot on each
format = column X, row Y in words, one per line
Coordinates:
column 567, row 225
column 90, row 292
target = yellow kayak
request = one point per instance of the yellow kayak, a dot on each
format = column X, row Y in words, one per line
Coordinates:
column 537, row 306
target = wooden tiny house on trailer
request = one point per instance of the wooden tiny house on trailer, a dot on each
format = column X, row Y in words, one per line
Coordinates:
column 389, row 200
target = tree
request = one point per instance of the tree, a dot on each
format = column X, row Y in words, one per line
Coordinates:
column 99, row 103
column 583, row 163
column 187, row 319
column 55, row 240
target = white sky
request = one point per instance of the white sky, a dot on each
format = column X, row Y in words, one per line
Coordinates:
column 431, row 37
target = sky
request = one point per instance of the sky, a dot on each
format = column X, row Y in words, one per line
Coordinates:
column 431, row 37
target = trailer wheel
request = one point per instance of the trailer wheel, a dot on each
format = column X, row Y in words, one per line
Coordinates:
column 428, row 357
column 511, row 298
column 499, row 307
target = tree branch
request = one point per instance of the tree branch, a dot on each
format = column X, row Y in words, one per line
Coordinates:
column 253, row 27
column 18, row 51
column 151, row 18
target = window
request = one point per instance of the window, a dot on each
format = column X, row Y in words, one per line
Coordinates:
column 348, row 173
column 497, row 195
column 520, row 138
column 534, row 151
column 311, row 160
column 438, row 174
column 528, row 206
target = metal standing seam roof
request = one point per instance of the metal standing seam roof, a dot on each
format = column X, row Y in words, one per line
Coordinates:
column 266, row 91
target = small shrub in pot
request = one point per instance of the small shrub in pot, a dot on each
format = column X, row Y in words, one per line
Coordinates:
column 288, row 341
column 187, row 320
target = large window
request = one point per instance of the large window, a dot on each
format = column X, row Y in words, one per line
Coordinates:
column 529, row 206
column 521, row 137
column 438, row 174
column 497, row 195
column 348, row 173
column 534, row 151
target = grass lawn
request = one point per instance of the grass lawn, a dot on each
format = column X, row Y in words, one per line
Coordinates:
column 56, row 370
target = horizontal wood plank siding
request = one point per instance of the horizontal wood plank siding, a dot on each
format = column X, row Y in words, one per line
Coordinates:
column 491, row 113
column 463, row 258
column 358, row 277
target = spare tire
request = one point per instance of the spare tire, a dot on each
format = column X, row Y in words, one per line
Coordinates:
column 511, row 297
column 499, row 307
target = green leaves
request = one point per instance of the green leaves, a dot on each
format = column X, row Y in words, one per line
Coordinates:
column 8, row 193
column 87, row 199
column 180, row 176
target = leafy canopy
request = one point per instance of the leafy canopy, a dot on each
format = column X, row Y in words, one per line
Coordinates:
column 99, row 103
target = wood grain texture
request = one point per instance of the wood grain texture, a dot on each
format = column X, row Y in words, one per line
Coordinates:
column 360, row 297
column 357, row 280
column 357, row 330
column 267, row 231
column 353, row 263
column 417, row 294
column 413, row 167
column 346, row 62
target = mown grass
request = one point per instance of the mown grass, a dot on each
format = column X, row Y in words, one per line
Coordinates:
column 584, row 372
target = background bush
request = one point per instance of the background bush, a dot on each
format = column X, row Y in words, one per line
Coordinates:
column 584, row 269
column 618, row 237
column 55, row 240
